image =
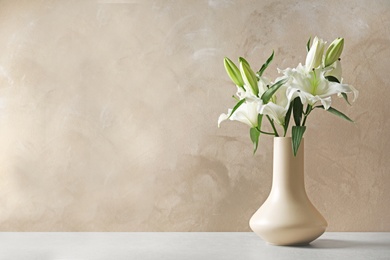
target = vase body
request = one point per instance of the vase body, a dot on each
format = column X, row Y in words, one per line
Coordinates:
column 287, row 217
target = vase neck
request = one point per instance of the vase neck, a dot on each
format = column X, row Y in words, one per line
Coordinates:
column 288, row 170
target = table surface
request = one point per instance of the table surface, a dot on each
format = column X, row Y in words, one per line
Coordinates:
column 194, row 245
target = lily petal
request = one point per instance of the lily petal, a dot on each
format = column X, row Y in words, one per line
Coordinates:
column 223, row 117
column 247, row 113
column 275, row 111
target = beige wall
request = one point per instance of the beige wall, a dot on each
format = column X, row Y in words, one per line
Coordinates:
column 108, row 114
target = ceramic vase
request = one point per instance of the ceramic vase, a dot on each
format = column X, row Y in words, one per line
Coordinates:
column 287, row 217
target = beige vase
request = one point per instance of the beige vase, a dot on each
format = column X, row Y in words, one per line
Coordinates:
column 288, row 217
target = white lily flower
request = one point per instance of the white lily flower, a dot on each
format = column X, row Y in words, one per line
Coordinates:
column 276, row 112
column 246, row 113
column 315, row 55
column 278, row 106
column 313, row 87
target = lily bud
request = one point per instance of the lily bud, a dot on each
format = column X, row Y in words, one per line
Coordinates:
column 334, row 51
column 314, row 57
column 249, row 76
column 233, row 72
column 241, row 59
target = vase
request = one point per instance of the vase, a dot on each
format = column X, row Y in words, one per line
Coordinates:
column 287, row 217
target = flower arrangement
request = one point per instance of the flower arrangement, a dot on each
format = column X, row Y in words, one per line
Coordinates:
column 296, row 93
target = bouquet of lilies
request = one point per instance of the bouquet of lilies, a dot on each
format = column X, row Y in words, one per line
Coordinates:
column 296, row 93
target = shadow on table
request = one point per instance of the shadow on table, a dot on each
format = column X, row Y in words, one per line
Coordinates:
column 336, row 243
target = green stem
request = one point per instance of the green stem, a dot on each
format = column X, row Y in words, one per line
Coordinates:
column 267, row 133
column 273, row 126
column 308, row 110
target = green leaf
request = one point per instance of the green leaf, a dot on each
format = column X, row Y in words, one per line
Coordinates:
column 271, row 91
column 297, row 110
column 255, row 133
column 265, row 65
column 332, row 79
column 337, row 113
column 346, row 98
column 287, row 118
column 297, row 134
column 236, row 106
column 259, row 121
column 308, row 45
column 233, row 72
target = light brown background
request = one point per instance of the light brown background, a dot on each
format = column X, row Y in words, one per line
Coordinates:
column 108, row 114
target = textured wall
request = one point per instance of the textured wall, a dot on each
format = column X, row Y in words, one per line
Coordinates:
column 108, row 114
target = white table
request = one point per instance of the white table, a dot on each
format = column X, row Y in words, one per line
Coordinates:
column 184, row 246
